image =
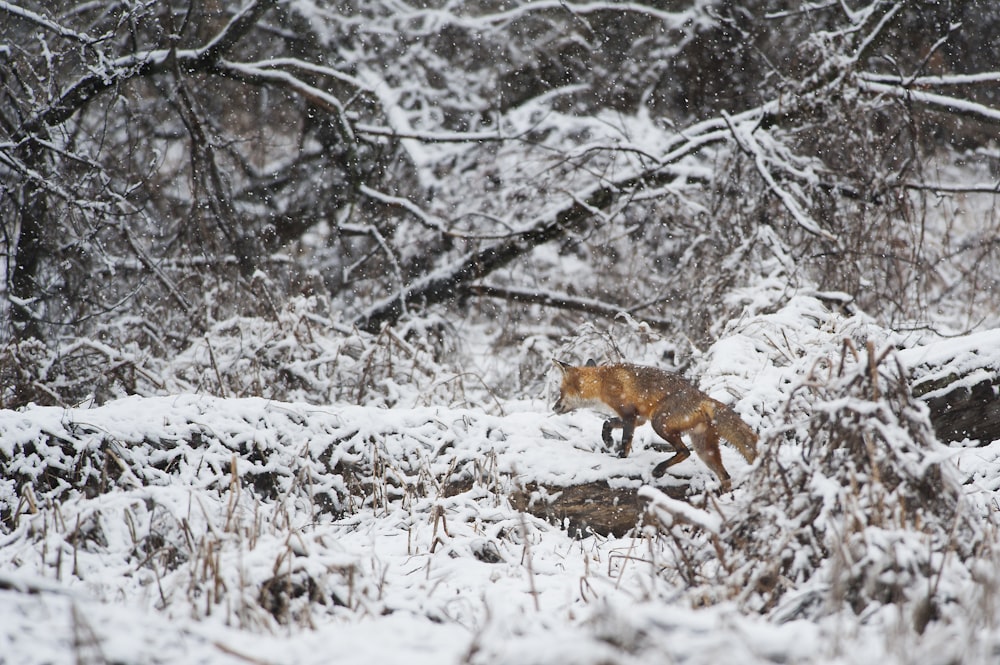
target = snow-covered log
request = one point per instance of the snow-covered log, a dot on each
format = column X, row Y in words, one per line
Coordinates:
column 959, row 379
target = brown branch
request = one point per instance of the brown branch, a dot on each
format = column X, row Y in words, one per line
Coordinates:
column 562, row 301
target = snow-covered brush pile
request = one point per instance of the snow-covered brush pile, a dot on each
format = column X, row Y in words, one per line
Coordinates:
column 301, row 352
column 265, row 513
column 210, row 504
column 304, row 353
column 853, row 505
column 868, row 512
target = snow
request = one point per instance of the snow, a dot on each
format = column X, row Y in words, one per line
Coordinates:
column 964, row 360
column 670, row 509
column 370, row 515
column 246, row 529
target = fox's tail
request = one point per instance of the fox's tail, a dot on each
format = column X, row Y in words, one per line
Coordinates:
column 732, row 428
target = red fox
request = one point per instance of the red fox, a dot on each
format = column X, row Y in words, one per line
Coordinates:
column 633, row 394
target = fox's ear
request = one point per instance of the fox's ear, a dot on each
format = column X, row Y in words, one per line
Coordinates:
column 563, row 367
column 591, row 363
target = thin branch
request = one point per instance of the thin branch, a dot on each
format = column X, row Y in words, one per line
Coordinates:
column 141, row 64
column 748, row 143
column 434, row 137
column 44, row 23
column 562, row 301
column 445, row 284
column 869, row 40
column 504, row 18
column 255, row 74
column 234, row 31
column 407, row 205
column 943, row 188
column 943, row 103
column 932, row 81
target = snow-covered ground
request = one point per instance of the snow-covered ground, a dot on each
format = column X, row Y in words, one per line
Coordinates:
column 194, row 529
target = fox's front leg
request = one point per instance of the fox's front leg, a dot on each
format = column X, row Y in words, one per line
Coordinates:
column 628, row 430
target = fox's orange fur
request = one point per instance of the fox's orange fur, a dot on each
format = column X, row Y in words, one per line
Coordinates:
column 634, row 394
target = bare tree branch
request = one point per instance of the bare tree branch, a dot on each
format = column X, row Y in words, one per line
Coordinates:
column 935, row 102
column 446, row 284
column 563, row 301
column 42, row 22
column 143, row 64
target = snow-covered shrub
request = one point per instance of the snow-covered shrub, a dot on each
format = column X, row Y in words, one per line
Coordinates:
column 623, row 340
column 864, row 511
column 68, row 372
column 212, row 503
column 302, row 352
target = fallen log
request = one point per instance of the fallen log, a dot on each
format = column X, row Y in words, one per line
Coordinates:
column 959, row 380
column 592, row 507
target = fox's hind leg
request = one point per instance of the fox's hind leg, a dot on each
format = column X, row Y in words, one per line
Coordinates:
column 627, row 426
column 705, row 441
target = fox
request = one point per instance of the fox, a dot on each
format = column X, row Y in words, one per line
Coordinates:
column 635, row 394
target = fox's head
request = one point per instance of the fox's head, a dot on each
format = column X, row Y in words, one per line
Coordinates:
column 573, row 392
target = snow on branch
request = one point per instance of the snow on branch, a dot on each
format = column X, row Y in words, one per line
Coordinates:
column 952, row 188
column 933, row 101
column 563, row 301
column 258, row 74
column 932, row 81
column 113, row 73
column 744, row 137
column 43, row 22
column 672, row 19
column 311, row 67
column 431, row 20
column 669, row 511
column 870, row 39
column 445, row 283
column 241, row 24
column 432, row 137
column 399, row 202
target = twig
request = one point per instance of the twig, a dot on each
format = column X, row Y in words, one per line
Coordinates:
column 215, row 366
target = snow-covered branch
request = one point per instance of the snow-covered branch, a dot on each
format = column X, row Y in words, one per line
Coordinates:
column 745, row 138
column 564, row 301
column 937, row 81
column 44, row 23
column 429, row 21
column 405, row 204
column 934, row 101
column 242, row 23
column 144, row 63
column 265, row 75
